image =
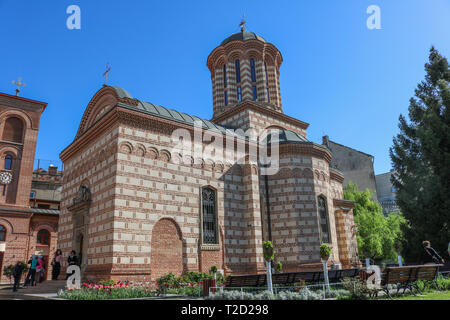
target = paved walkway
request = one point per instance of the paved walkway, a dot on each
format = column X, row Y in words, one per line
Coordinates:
column 44, row 291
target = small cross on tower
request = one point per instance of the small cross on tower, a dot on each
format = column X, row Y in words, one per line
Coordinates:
column 242, row 24
column 19, row 84
column 105, row 74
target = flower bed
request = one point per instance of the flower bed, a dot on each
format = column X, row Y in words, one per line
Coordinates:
column 110, row 290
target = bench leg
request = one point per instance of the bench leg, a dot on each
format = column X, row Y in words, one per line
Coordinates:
column 387, row 292
column 417, row 288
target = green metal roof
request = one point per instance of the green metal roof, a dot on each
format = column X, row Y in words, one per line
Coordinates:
column 285, row 136
column 242, row 36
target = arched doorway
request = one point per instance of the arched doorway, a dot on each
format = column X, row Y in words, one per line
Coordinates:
column 43, row 247
column 166, row 249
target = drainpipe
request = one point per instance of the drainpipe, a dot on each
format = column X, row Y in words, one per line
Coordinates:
column 269, row 222
column 28, row 238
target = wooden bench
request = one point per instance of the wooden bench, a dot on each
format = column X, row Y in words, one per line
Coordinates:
column 405, row 277
column 289, row 278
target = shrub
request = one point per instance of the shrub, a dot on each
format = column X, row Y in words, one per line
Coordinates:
column 356, row 287
column 279, row 267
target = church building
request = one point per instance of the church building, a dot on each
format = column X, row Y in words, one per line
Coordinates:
column 134, row 208
column 24, row 230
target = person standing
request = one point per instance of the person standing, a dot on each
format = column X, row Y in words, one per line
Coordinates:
column 39, row 267
column 56, row 264
column 72, row 260
column 31, row 276
column 431, row 255
column 17, row 274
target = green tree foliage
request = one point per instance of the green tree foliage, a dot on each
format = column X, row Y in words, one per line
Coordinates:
column 421, row 158
column 377, row 234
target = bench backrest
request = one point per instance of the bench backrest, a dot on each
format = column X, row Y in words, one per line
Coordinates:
column 258, row 280
column 407, row 274
column 427, row 272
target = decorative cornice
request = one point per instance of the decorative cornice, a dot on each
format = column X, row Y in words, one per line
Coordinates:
column 308, row 148
column 246, row 105
column 343, row 204
column 336, row 175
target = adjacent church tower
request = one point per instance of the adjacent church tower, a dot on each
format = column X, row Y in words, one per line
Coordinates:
column 245, row 68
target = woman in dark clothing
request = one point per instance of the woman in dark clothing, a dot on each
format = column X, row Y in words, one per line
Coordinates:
column 56, row 263
column 431, row 255
column 17, row 274
column 71, row 260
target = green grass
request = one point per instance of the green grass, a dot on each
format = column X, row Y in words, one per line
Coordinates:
column 434, row 295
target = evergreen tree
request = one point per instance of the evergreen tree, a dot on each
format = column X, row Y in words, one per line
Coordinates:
column 421, row 158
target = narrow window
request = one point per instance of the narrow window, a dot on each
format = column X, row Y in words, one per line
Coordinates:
column 265, row 70
column 238, row 71
column 225, row 75
column 2, row 233
column 323, row 216
column 209, row 216
column 239, row 94
column 226, row 98
column 255, row 94
column 268, row 95
column 252, row 66
column 8, row 162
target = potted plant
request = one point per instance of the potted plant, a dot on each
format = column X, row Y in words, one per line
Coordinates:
column 269, row 255
column 325, row 252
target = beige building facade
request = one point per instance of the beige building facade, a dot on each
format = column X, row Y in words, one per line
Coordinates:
column 137, row 208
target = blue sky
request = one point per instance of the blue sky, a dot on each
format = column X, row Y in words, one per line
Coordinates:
column 347, row 81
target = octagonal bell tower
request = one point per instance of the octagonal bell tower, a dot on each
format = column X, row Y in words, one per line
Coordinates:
column 244, row 67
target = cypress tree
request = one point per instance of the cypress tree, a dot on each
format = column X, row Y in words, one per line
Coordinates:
column 421, row 158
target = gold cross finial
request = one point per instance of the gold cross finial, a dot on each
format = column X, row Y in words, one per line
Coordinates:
column 105, row 74
column 19, row 84
column 242, row 24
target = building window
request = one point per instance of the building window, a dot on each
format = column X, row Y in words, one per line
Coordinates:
column 323, row 216
column 238, row 71
column 225, row 75
column 252, row 67
column 239, row 94
column 226, row 98
column 43, row 237
column 268, row 95
column 8, row 162
column 255, row 94
column 2, row 233
column 209, row 209
column 13, row 130
column 265, row 70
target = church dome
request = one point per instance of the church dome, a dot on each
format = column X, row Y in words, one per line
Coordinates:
column 242, row 36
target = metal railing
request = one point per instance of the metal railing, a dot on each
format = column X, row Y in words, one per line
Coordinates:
column 320, row 288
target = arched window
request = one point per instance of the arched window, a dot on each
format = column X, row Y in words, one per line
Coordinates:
column 8, row 162
column 209, row 213
column 226, row 98
column 252, row 68
column 2, row 233
column 43, row 237
column 323, row 216
column 238, row 71
column 13, row 130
